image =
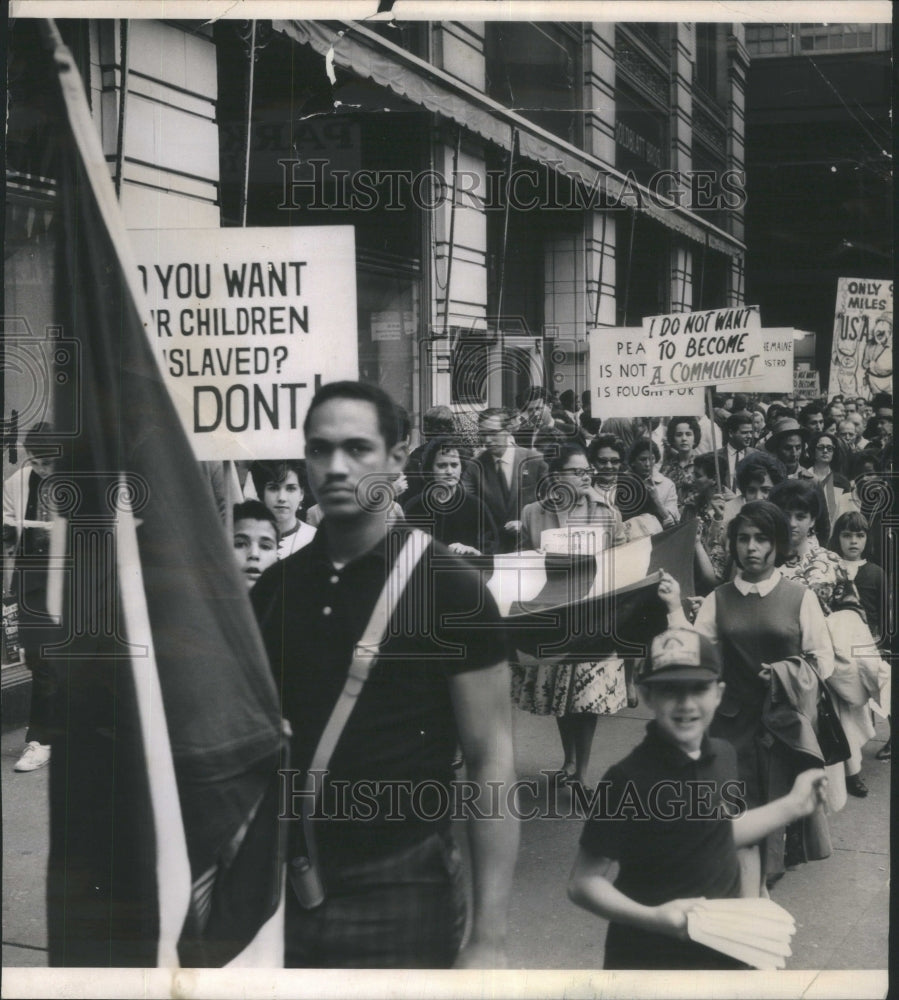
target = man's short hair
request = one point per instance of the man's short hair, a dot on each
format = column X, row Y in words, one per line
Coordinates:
column 255, row 510
column 393, row 421
column 736, row 420
column 606, row 441
column 754, row 468
column 809, row 411
column 499, row 413
column 438, row 420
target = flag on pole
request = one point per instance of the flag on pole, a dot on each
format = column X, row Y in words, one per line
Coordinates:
column 590, row 605
column 164, row 839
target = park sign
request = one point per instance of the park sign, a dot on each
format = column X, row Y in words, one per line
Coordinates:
column 667, row 363
column 246, row 324
column 861, row 362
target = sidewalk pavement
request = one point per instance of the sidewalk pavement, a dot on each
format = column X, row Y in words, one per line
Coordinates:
column 841, row 905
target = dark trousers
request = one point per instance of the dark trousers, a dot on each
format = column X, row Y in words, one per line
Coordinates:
column 402, row 911
column 43, row 716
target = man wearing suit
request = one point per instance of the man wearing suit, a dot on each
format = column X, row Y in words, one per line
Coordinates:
column 504, row 476
column 737, row 435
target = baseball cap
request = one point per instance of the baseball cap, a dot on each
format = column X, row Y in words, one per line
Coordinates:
column 680, row 654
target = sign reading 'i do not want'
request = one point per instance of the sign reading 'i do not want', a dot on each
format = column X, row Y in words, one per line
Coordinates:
column 247, row 323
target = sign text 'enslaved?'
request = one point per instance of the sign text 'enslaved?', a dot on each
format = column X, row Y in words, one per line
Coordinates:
column 247, row 323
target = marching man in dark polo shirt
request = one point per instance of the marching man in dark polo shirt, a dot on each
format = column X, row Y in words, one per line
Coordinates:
column 393, row 895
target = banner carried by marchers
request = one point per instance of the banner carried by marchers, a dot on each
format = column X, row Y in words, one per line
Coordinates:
column 862, row 360
column 247, row 324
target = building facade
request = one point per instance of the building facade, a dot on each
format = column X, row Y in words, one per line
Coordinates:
column 512, row 185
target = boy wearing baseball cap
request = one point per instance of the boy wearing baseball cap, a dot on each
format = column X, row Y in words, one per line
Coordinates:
column 671, row 815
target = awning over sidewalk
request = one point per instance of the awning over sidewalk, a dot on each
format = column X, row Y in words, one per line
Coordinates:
column 365, row 54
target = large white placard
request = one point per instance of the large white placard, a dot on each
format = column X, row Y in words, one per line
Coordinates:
column 861, row 361
column 247, row 324
column 620, row 378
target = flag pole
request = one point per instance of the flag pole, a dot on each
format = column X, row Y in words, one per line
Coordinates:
column 711, row 412
column 173, row 877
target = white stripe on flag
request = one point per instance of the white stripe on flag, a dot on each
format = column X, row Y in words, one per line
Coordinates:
column 172, row 865
column 622, row 566
column 517, row 577
column 521, row 576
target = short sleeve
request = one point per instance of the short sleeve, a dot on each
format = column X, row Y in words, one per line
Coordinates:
column 601, row 836
column 462, row 613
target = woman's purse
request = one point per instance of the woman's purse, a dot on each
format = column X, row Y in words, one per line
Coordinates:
column 831, row 738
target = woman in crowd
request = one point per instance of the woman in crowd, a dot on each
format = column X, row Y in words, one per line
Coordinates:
column 652, row 492
column 626, row 429
column 280, row 485
column 444, row 509
column 706, row 505
column 829, row 458
column 759, row 617
column 683, row 435
column 575, row 693
column 821, row 570
column 851, row 541
column 808, row 561
column 758, row 426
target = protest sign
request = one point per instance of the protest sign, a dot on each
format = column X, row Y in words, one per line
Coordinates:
column 806, row 383
column 726, row 348
column 620, row 375
column 246, row 324
column 861, row 362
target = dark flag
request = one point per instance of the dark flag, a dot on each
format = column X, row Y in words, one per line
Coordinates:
column 164, row 840
column 590, row 606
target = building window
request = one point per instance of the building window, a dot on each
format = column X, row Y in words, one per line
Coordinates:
column 711, row 62
column 768, row 39
column 387, row 307
column 535, row 69
column 803, row 39
column 835, row 37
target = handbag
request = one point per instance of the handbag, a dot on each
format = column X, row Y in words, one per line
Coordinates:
column 829, row 729
column 304, row 872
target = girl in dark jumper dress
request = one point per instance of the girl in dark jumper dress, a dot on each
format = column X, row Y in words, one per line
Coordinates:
column 757, row 618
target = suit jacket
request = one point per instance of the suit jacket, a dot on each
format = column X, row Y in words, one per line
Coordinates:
column 482, row 480
column 731, row 481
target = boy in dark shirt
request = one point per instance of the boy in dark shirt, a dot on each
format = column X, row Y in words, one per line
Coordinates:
column 673, row 819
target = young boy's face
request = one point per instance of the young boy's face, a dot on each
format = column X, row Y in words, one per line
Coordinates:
column 255, row 548
column 683, row 709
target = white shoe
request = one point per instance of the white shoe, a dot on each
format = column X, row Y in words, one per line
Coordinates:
column 36, row 755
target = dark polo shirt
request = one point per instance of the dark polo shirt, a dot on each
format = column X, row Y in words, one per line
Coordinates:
column 402, row 729
column 660, row 859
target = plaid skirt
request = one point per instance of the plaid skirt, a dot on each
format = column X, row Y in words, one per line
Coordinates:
column 594, row 686
column 406, row 910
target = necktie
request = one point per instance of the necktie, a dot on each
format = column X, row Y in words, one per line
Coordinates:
column 501, row 473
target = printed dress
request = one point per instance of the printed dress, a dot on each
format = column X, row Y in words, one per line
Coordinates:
column 550, row 688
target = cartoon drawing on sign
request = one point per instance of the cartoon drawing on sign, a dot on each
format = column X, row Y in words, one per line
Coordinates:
column 861, row 359
column 877, row 357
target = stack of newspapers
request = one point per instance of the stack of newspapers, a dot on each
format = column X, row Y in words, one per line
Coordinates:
column 754, row 931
